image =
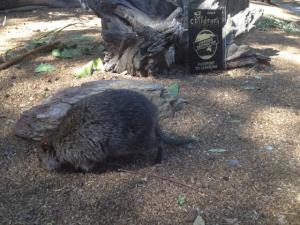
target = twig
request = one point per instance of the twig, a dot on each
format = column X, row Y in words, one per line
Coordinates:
column 249, row 70
column 31, row 52
column 48, row 38
column 161, row 178
column 4, row 21
column 54, row 32
column 23, row 9
column 289, row 213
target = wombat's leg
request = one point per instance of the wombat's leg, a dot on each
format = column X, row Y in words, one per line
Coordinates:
column 159, row 155
column 155, row 157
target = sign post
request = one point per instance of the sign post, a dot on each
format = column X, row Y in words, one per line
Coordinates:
column 206, row 45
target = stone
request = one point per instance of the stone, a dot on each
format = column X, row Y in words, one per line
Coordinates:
column 233, row 163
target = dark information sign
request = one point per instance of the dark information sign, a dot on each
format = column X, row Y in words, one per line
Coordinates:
column 205, row 40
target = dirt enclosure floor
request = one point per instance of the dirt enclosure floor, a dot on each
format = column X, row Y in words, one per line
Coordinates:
column 252, row 113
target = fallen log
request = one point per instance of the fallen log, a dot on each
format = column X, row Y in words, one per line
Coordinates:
column 35, row 122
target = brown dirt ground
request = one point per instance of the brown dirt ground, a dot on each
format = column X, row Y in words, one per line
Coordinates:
column 264, row 189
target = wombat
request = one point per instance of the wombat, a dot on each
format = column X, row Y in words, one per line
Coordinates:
column 114, row 123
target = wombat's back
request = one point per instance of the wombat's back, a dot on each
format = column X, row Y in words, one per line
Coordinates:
column 112, row 123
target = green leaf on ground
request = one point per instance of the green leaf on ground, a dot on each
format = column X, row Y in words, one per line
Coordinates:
column 181, row 200
column 174, row 89
column 56, row 53
column 70, row 52
column 269, row 22
column 101, row 48
column 98, row 64
column 86, row 49
column 217, row 150
column 35, row 43
column 88, row 69
column 66, row 52
column 44, row 67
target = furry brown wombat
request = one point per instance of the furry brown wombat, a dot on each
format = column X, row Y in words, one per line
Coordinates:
column 113, row 123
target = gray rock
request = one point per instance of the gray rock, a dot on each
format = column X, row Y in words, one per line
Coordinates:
column 233, row 163
column 34, row 122
column 269, row 148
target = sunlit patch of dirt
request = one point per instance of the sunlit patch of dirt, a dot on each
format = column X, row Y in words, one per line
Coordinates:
column 19, row 29
column 277, row 12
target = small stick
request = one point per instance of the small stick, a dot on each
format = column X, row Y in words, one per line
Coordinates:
column 31, row 52
column 23, row 9
column 4, row 21
column 161, row 178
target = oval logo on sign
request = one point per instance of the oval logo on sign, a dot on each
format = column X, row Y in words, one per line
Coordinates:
column 206, row 44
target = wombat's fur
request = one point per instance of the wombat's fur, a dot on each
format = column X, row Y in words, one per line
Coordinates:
column 113, row 123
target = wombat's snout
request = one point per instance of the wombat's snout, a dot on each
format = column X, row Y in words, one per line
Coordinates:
column 47, row 157
column 49, row 163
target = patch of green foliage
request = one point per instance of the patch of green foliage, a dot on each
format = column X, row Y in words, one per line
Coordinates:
column 67, row 52
column 44, row 67
column 87, row 70
column 181, row 200
column 174, row 89
column 80, row 38
column 35, row 43
column 269, row 22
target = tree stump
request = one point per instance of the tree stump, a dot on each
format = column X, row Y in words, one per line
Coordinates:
column 36, row 122
column 150, row 37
